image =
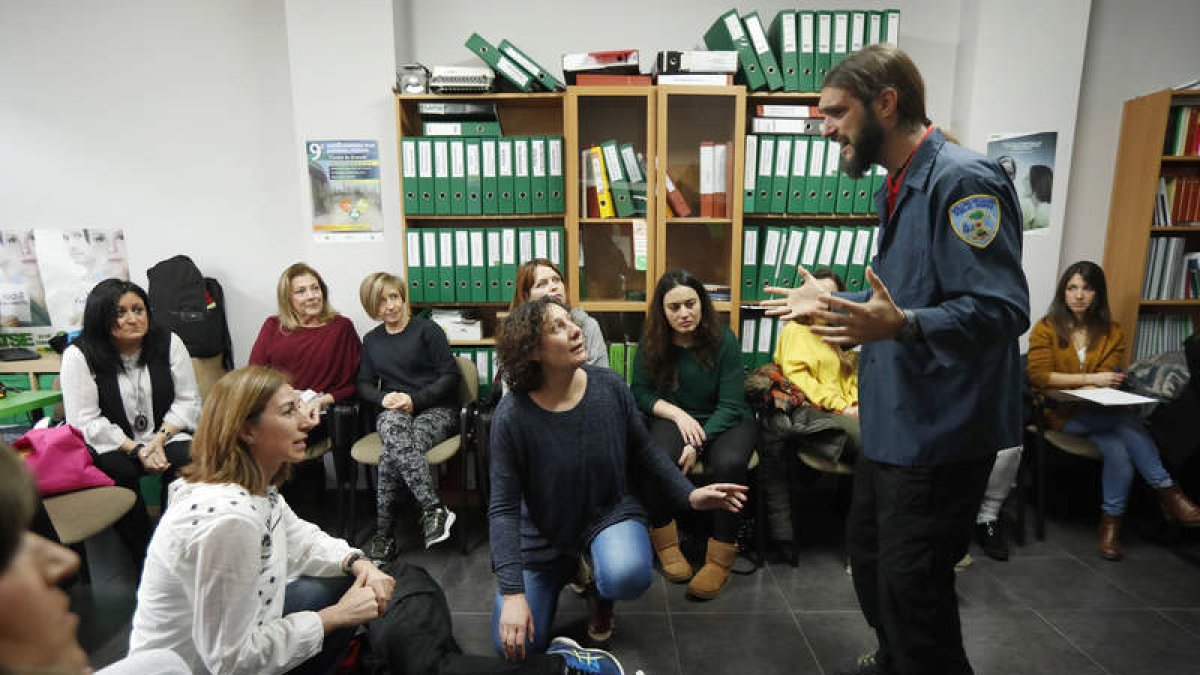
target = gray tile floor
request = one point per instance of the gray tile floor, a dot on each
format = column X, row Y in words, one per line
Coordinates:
column 1055, row 607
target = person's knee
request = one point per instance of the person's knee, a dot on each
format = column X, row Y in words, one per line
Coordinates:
column 728, row 467
column 624, row 578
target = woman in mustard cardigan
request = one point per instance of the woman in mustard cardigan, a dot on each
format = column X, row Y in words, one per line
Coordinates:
column 1077, row 345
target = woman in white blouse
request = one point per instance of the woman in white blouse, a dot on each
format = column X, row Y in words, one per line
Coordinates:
column 128, row 385
column 216, row 588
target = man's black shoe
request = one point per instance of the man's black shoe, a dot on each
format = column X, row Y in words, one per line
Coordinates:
column 990, row 535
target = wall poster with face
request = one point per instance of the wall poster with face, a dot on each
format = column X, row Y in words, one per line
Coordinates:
column 1028, row 159
column 71, row 262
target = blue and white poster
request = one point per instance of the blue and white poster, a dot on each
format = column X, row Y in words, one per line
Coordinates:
column 346, row 193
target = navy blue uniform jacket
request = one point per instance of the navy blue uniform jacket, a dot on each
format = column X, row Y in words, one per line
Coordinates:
column 956, row 395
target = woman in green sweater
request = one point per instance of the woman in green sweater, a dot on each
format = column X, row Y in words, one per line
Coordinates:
column 687, row 376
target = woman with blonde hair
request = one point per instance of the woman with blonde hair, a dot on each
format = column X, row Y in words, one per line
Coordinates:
column 408, row 370
column 216, row 588
column 538, row 278
column 317, row 347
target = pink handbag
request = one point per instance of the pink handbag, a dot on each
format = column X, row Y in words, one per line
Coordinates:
column 59, row 460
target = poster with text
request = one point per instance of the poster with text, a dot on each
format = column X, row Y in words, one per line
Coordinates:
column 1028, row 159
column 346, row 194
column 22, row 297
column 72, row 261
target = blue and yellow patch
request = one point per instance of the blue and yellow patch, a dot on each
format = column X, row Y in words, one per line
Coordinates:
column 976, row 219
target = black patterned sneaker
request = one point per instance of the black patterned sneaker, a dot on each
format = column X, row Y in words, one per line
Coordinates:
column 581, row 660
column 864, row 665
column 436, row 524
column 381, row 549
column 990, row 535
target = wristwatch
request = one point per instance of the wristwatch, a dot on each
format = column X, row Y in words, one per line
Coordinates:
column 348, row 563
column 910, row 330
column 137, row 448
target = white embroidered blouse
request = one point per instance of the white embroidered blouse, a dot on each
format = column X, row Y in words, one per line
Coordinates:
column 213, row 584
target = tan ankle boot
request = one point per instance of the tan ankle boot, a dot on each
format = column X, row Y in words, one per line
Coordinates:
column 707, row 583
column 665, row 540
column 1110, row 537
column 1178, row 507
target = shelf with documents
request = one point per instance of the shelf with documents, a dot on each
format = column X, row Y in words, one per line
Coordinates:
column 1145, row 259
column 700, row 141
column 463, row 255
column 493, row 216
column 610, row 135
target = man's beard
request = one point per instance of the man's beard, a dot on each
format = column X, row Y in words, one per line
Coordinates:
column 865, row 148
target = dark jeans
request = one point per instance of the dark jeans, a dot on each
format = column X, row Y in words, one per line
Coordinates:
column 906, row 528
column 725, row 458
column 312, row 594
column 126, row 471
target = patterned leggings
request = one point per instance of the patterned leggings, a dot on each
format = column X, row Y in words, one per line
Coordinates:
column 406, row 439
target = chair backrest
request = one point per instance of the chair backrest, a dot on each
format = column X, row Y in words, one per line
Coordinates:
column 208, row 370
column 468, row 381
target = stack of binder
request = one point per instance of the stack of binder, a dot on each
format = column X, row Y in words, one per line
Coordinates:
column 474, row 264
column 771, row 255
column 485, row 362
column 759, row 334
column 696, row 68
column 798, row 49
column 798, row 174
column 469, row 175
column 613, row 181
column 1158, row 333
column 613, row 67
column 620, row 358
column 716, row 182
column 513, row 65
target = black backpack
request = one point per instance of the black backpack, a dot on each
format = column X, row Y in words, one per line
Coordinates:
column 192, row 306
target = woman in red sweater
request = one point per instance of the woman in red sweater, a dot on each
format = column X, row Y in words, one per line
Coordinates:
column 311, row 342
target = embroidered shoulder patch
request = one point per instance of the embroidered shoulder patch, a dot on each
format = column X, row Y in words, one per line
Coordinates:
column 976, row 219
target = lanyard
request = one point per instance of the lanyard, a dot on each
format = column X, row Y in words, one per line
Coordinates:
column 894, row 186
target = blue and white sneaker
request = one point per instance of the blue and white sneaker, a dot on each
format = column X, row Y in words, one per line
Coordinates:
column 581, row 660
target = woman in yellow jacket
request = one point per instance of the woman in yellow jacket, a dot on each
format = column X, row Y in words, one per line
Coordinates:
column 1077, row 345
column 827, row 374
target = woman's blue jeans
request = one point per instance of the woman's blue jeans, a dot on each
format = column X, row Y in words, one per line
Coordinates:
column 1126, row 445
column 622, row 561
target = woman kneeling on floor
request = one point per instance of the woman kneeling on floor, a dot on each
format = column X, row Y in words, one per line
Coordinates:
column 562, row 447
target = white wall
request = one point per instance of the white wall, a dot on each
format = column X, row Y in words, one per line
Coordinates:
column 183, row 122
column 1134, row 48
column 179, row 122
column 545, row 29
column 1004, row 85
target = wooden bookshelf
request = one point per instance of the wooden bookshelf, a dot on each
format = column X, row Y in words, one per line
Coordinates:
column 1140, row 163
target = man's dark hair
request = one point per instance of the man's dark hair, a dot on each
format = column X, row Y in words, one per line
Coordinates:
column 867, row 72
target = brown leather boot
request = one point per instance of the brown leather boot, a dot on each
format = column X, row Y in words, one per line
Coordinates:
column 1178, row 507
column 1110, row 537
column 665, row 540
column 718, row 560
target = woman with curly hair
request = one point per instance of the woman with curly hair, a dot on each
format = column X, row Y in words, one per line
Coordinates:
column 687, row 377
column 563, row 443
